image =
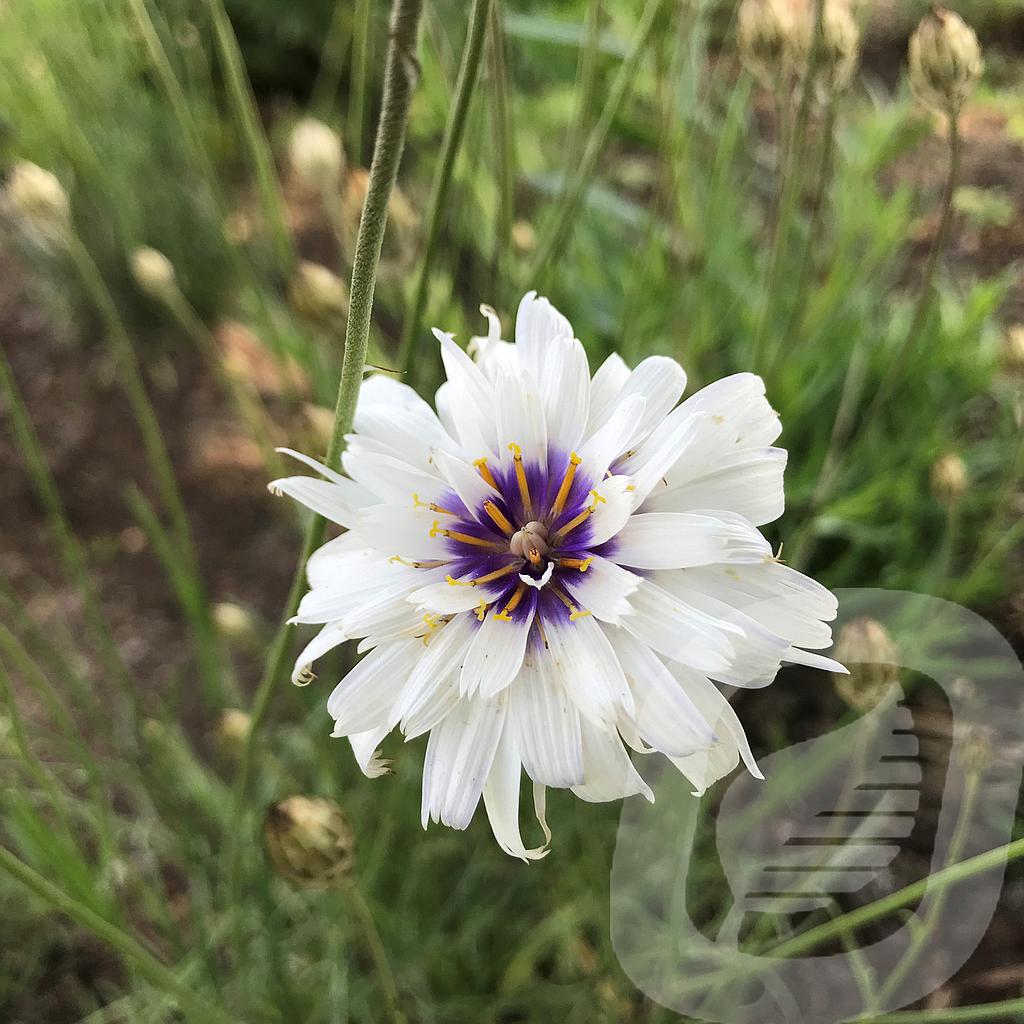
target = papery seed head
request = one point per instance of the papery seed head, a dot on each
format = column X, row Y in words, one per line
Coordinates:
column 154, row 273
column 316, row 155
column 1011, row 351
column 945, row 61
column 866, row 649
column 764, row 36
column 38, row 196
column 233, row 730
column 232, row 620
column 949, row 479
column 318, row 295
column 309, row 841
column 840, row 44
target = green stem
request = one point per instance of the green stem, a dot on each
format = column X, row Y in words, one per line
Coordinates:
column 356, row 902
column 443, row 173
column 332, row 60
column 243, row 105
column 504, row 152
column 586, row 75
column 1009, row 1009
column 924, row 298
column 557, row 228
column 790, row 187
column 361, row 41
column 130, row 948
column 401, row 74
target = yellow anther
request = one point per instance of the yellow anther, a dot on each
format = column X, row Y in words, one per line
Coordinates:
column 416, row 503
column 504, row 616
column 505, row 613
column 435, row 530
column 481, row 610
column 500, row 519
column 484, row 471
column 401, row 561
column 583, row 564
column 517, row 452
column 597, row 500
column 453, row 582
column 578, row 614
column 563, row 490
column 574, row 612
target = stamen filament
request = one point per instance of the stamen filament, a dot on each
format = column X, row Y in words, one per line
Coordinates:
column 583, row 564
column 571, row 525
column 505, row 613
column 486, row 578
column 524, row 487
column 434, row 563
column 563, row 491
column 574, row 612
column 483, row 469
column 500, row 519
column 466, row 538
column 416, row 503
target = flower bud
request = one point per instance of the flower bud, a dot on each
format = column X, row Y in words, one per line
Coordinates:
column 945, row 61
column 37, row 196
column 154, row 274
column 764, row 35
column 976, row 753
column 232, row 620
column 316, row 155
column 233, row 730
column 309, row 841
column 1011, row 352
column 949, row 479
column 840, row 44
column 318, row 295
column 866, row 649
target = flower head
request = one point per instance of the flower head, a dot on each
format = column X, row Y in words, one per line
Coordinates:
column 550, row 566
column 38, row 196
column 945, row 61
column 316, row 155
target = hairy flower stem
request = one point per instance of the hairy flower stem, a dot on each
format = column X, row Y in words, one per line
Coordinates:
column 243, row 105
column 355, row 903
column 847, row 427
column 557, row 230
column 790, row 188
column 443, row 172
column 196, row 1009
column 401, row 74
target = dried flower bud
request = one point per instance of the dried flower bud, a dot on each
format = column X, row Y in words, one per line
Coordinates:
column 840, row 45
column 866, row 649
column 316, row 155
column 524, row 237
column 945, row 61
column 976, row 753
column 309, row 841
column 318, row 295
column 232, row 620
column 764, row 35
column 233, row 730
column 1011, row 352
column 949, row 479
column 37, row 196
column 154, row 274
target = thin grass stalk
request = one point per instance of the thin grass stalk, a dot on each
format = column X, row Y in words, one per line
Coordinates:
column 1008, row 1009
column 401, row 74
column 444, row 170
column 555, row 234
column 69, row 548
column 243, row 107
column 131, row 949
column 790, row 185
column 332, row 60
column 504, row 151
column 355, row 903
column 361, row 41
column 586, row 74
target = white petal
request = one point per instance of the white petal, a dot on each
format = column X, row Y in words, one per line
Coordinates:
column 603, row 589
column 501, row 799
column 588, row 667
column 403, row 531
column 364, row 699
column 519, row 417
column 671, row 443
column 460, row 753
column 371, row 574
column 613, row 438
column 306, row 460
column 615, row 502
column 409, row 434
column 473, row 490
column 659, row 380
column 609, row 772
column 495, row 654
column 366, row 748
column 749, row 482
column 564, row 384
column 339, row 501
column 392, row 479
column 334, row 563
column 797, row 657
column 547, row 722
column 677, row 630
column 671, row 540
column 705, row 767
column 545, row 577
column 444, row 598
column 326, row 640
column 665, row 716
column 537, row 324
column 611, row 375
column 470, row 402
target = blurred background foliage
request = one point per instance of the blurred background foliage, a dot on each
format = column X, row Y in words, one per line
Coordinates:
column 172, row 127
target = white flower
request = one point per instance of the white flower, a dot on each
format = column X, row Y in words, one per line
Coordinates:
column 551, row 565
